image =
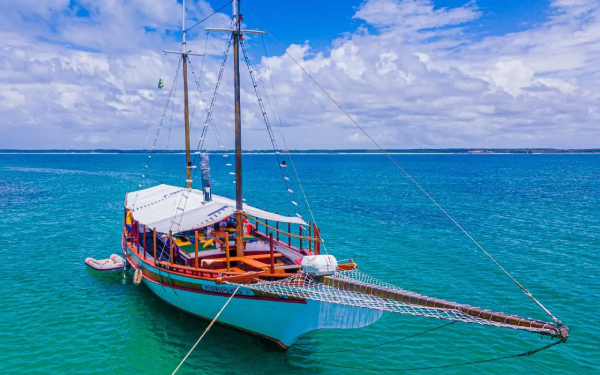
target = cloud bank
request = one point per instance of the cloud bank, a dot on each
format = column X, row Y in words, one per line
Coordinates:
column 83, row 75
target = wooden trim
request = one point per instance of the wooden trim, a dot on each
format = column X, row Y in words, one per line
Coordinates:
column 192, row 269
column 245, row 278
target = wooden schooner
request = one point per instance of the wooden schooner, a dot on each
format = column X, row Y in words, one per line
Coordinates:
column 194, row 249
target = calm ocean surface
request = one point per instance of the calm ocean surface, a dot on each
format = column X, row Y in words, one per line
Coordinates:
column 539, row 215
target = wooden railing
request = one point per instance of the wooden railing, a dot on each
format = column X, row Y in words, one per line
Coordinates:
column 312, row 241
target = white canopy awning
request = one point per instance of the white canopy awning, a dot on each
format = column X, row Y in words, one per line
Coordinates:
column 167, row 207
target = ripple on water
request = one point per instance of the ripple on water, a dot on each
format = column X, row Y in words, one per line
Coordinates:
column 58, row 317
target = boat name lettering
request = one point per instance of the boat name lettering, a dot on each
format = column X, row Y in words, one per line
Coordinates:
column 227, row 290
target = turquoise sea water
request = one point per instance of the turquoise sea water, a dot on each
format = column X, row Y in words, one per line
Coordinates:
column 539, row 215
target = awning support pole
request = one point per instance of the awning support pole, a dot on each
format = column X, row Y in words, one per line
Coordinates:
column 318, row 244
column 289, row 231
column 154, row 238
column 272, row 253
column 196, row 242
column 171, row 247
column 144, row 241
column 239, row 236
column 309, row 235
column 227, row 251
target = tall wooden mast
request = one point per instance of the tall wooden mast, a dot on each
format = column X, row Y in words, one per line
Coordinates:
column 184, row 55
column 188, row 159
column 239, row 201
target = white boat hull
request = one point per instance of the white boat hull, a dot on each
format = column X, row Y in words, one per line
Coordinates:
column 280, row 320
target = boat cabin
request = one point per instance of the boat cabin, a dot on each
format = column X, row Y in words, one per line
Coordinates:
column 201, row 239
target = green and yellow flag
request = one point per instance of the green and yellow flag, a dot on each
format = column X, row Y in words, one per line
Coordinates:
column 160, row 84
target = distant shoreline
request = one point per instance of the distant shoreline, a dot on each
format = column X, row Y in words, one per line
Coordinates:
column 448, row 151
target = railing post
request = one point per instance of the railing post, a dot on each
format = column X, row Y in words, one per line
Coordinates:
column 196, row 243
column 309, row 236
column 277, row 225
column 266, row 227
column 227, row 250
column 154, row 235
column 289, row 232
column 133, row 235
column 300, row 231
column 318, row 243
column 145, row 241
column 171, row 247
column 272, row 253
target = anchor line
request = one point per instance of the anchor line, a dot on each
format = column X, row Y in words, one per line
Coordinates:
column 527, row 292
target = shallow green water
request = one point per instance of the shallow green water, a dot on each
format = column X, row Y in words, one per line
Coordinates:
column 539, row 215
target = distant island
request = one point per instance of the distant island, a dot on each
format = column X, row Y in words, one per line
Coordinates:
column 340, row 151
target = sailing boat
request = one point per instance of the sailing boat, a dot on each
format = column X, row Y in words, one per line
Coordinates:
column 196, row 250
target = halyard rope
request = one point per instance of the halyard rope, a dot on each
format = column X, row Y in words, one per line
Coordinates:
column 527, row 292
column 206, row 330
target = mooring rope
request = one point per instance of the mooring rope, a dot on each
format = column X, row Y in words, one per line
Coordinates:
column 206, row 330
column 527, row 292
column 523, row 354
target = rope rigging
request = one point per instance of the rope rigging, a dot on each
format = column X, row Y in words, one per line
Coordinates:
column 527, row 292
column 287, row 150
column 210, row 109
column 270, row 129
column 204, row 19
column 181, row 205
column 170, row 126
column 154, row 100
column 154, row 142
column 199, row 91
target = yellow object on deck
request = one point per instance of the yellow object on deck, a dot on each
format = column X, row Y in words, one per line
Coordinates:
column 208, row 243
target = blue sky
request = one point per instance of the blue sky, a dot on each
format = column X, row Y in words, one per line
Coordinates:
column 414, row 73
column 322, row 21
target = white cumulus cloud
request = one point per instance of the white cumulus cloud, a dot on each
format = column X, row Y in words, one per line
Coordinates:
column 411, row 74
